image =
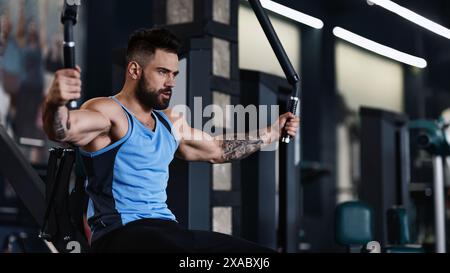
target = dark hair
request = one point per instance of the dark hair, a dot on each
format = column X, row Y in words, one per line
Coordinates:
column 145, row 42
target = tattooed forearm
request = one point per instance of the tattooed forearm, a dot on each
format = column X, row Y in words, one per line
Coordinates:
column 240, row 149
column 59, row 127
column 56, row 122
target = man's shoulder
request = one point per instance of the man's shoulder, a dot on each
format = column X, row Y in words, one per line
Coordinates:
column 106, row 106
column 174, row 116
column 100, row 104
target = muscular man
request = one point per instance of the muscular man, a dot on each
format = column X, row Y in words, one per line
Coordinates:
column 127, row 143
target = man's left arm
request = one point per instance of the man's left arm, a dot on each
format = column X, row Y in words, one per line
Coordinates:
column 196, row 145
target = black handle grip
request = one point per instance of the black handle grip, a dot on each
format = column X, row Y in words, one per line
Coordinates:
column 69, row 56
column 69, row 62
column 294, row 103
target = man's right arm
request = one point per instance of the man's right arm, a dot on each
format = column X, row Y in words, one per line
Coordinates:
column 78, row 127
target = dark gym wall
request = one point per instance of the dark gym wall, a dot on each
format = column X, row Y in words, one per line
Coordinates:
column 110, row 22
column 97, row 73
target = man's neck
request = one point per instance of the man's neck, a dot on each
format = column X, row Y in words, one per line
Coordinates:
column 128, row 97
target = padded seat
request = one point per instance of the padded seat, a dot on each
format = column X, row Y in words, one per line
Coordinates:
column 354, row 225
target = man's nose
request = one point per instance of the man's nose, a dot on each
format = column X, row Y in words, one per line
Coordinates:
column 170, row 81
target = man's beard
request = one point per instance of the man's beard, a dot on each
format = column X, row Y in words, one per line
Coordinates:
column 151, row 98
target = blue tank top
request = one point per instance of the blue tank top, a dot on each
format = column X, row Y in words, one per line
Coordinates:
column 127, row 180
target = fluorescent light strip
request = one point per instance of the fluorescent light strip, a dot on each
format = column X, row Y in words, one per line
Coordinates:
column 379, row 48
column 292, row 14
column 413, row 17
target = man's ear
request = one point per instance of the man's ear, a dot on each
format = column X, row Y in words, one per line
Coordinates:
column 134, row 70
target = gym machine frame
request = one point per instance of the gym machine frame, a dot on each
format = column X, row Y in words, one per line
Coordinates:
column 432, row 139
column 291, row 76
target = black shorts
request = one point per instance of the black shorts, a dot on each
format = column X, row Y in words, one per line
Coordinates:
column 163, row 236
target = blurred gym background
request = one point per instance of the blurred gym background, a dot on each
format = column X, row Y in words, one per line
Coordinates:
column 375, row 140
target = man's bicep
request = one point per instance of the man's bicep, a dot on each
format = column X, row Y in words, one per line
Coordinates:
column 89, row 121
